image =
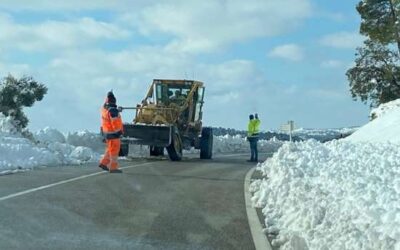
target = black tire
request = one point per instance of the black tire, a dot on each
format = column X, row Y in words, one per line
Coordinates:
column 175, row 149
column 124, row 149
column 156, row 151
column 206, row 143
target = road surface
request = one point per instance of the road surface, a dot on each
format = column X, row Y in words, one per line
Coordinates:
column 154, row 204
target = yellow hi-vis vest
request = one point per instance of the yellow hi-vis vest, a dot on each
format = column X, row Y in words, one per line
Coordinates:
column 254, row 127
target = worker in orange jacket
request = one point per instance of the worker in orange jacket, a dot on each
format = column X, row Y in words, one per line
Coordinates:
column 112, row 130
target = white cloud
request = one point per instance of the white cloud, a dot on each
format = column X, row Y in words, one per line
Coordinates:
column 56, row 34
column 342, row 40
column 77, row 84
column 79, row 72
column 290, row 52
column 72, row 5
column 332, row 64
column 229, row 80
column 202, row 26
column 195, row 26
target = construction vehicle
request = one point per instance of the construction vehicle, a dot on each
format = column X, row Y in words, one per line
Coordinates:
column 170, row 116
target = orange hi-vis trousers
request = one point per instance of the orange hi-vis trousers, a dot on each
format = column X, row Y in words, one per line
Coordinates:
column 110, row 158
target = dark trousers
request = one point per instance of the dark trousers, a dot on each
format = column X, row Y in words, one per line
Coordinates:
column 253, row 148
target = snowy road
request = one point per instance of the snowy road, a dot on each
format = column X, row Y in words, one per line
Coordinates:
column 154, row 204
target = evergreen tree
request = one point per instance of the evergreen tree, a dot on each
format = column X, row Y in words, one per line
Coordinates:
column 380, row 20
column 18, row 93
column 376, row 75
column 375, row 78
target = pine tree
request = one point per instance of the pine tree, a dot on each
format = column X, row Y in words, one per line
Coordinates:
column 375, row 78
column 380, row 20
column 18, row 93
column 376, row 75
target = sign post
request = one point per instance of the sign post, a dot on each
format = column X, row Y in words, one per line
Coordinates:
column 291, row 128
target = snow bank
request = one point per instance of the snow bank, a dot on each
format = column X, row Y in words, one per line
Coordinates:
column 49, row 149
column 384, row 108
column 323, row 135
column 385, row 128
column 337, row 195
column 49, row 135
column 238, row 144
column 17, row 151
column 86, row 139
column 54, row 141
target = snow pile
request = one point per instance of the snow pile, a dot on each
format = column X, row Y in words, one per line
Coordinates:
column 343, row 194
column 384, row 108
column 86, row 139
column 49, row 135
column 55, row 142
column 238, row 144
column 19, row 152
column 337, row 195
column 323, row 135
column 385, row 128
column 95, row 142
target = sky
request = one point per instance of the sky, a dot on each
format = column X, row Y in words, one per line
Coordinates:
column 283, row 59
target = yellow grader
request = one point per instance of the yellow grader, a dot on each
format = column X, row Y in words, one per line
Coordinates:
column 170, row 116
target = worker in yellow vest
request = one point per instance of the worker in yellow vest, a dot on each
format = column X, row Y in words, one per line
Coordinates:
column 253, row 135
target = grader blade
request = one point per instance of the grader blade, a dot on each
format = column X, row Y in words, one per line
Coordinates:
column 153, row 135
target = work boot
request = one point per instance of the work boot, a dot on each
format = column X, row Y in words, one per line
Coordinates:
column 104, row 167
column 115, row 171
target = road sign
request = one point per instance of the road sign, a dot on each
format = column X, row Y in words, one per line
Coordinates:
column 288, row 128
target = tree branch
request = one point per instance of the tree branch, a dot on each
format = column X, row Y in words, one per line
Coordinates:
column 394, row 16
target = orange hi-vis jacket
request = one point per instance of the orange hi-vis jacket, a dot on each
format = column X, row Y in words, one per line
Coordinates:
column 111, row 122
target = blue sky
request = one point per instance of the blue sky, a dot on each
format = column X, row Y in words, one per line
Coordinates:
column 285, row 59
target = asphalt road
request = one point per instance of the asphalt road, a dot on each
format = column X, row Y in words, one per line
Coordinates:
column 154, row 204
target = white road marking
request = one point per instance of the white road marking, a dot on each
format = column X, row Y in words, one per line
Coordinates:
column 259, row 238
column 28, row 191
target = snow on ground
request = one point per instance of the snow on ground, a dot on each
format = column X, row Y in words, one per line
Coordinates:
column 238, row 144
column 55, row 142
column 343, row 194
column 384, row 128
column 86, row 139
column 48, row 148
column 338, row 195
column 323, row 135
column 384, row 108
